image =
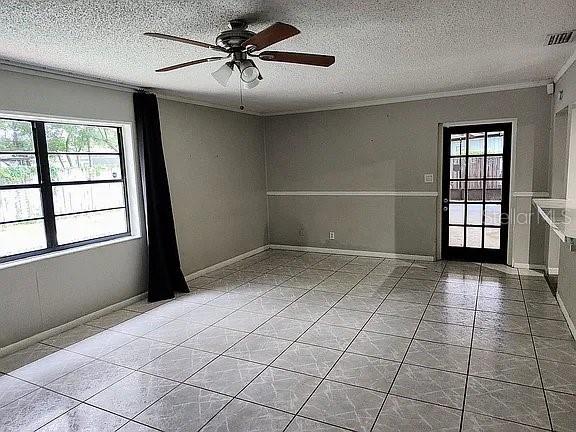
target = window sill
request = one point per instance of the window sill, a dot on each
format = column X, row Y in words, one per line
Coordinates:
column 55, row 254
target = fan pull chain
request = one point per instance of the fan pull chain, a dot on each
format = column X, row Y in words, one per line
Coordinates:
column 241, row 96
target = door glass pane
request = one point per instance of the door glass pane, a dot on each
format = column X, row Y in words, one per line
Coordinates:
column 494, row 190
column 474, row 214
column 68, row 167
column 475, row 190
column 495, row 142
column 74, row 228
column 457, row 168
column 18, row 169
column 456, row 191
column 16, row 136
column 476, row 144
column 492, row 214
column 494, row 166
column 474, row 237
column 18, row 204
column 456, row 236
column 475, row 167
column 458, row 145
column 20, row 237
column 492, row 238
column 80, row 198
column 61, row 137
column 456, row 214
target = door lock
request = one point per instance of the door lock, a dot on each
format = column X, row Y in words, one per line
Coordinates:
column 445, row 208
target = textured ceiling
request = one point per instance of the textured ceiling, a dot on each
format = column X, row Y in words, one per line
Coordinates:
column 383, row 49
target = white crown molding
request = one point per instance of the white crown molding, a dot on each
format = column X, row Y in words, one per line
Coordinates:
column 61, row 75
column 183, row 99
column 417, row 97
column 565, row 67
column 353, row 193
column 530, row 194
column 353, row 252
column 47, row 72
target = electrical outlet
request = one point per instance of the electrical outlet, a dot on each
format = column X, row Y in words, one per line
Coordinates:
column 301, row 232
column 428, row 178
column 331, row 235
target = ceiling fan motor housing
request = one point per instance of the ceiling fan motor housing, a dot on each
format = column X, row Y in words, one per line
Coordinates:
column 234, row 38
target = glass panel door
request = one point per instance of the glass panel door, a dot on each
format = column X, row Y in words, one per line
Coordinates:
column 475, row 192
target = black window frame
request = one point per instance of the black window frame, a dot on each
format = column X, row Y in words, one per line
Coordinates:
column 45, row 186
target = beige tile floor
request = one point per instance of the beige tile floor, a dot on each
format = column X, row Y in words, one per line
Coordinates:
column 287, row 341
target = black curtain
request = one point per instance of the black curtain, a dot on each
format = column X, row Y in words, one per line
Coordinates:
column 164, row 273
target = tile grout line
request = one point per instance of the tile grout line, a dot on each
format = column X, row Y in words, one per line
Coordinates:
column 405, row 354
column 308, row 290
column 538, row 364
column 470, row 353
column 341, row 354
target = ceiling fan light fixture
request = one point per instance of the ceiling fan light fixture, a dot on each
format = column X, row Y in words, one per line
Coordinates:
column 248, row 71
column 223, row 73
column 252, row 84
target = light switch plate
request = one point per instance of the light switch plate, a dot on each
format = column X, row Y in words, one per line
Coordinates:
column 428, row 178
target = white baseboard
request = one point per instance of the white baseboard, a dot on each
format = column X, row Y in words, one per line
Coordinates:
column 16, row 346
column 553, row 271
column 528, row 266
column 227, row 262
column 353, row 252
column 567, row 316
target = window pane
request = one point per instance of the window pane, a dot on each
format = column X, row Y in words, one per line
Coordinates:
column 492, row 214
column 476, row 143
column 494, row 166
column 16, row 136
column 74, row 228
column 475, row 191
column 80, row 198
column 474, row 214
column 458, row 145
column 473, row 237
column 492, row 238
column 18, row 204
column 81, row 138
column 457, row 168
column 456, row 236
column 22, row 237
column 456, row 214
column 494, row 190
column 495, row 142
column 18, row 169
column 67, row 167
column 475, row 167
column 456, row 191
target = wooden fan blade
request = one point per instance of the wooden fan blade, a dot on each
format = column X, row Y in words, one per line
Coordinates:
column 300, row 58
column 184, row 40
column 190, row 63
column 275, row 33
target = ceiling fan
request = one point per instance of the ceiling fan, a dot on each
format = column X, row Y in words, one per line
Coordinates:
column 239, row 44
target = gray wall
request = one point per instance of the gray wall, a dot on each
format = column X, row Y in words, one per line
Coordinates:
column 215, row 163
column 567, row 266
column 390, row 148
column 46, row 293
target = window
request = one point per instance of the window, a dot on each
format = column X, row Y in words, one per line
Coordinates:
column 61, row 185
